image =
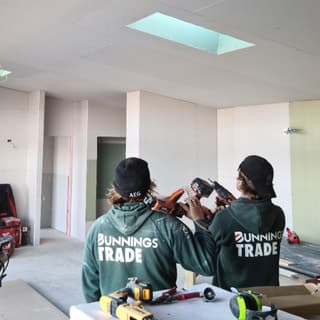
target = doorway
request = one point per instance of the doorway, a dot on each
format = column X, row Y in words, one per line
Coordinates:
column 109, row 152
column 56, row 178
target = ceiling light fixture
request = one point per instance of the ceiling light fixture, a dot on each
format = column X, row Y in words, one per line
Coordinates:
column 188, row 34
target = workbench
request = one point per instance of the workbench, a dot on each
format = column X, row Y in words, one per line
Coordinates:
column 193, row 309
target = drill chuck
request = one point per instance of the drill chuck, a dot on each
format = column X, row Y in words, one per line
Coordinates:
column 208, row 294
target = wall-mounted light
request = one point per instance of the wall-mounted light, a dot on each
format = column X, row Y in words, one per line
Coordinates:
column 291, row 130
column 11, row 143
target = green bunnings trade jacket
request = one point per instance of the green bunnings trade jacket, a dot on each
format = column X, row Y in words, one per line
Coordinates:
column 247, row 237
column 133, row 241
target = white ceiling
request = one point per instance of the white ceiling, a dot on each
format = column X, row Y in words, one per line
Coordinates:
column 81, row 49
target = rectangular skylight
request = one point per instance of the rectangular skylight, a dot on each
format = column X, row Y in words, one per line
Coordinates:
column 188, row 34
column 4, row 73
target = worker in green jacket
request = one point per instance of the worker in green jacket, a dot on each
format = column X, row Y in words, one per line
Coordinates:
column 248, row 233
column 131, row 240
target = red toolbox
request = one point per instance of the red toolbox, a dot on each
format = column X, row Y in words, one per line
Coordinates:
column 9, row 223
column 11, row 226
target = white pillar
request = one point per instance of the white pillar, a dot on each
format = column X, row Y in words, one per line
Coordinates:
column 35, row 158
column 79, row 171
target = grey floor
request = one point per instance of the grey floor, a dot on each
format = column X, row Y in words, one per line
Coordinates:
column 54, row 269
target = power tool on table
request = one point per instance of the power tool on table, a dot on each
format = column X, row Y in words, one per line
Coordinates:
column 207, row 294
column 138, row 290
column 4, row 258
column 116, row 304
column 293, row 238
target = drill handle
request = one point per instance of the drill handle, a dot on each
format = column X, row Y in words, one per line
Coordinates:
column 169, row 205
column 224, row 196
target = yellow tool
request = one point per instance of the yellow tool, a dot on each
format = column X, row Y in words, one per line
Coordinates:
column 115, row 304
column 139, row 291
column 133, row 312
column 109, row 304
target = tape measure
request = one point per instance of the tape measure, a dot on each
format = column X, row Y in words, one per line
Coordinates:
column 247, row 305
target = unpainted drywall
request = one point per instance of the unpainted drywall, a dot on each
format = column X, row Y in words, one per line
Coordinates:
column 305, row 157
column 259, row 130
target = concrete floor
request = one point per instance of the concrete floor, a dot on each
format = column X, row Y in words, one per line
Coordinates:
column 54, row 269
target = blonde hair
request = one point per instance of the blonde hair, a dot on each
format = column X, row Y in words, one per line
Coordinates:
column 114, row 198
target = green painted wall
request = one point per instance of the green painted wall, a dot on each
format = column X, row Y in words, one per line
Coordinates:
column 109, row 155
column 91, row 189
column 305, row 169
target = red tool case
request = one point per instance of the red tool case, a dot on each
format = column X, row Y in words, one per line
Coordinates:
column 9, row 223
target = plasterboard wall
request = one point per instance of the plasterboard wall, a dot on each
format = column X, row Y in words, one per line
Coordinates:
column 104, row 121
column 305, row 154
column 177, row 138
column 13, row 164
column 257, row 130
column 22, row 121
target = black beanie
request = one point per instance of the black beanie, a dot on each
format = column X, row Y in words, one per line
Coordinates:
column 132, row 178
column 260, row 172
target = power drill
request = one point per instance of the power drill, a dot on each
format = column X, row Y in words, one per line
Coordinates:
column 138, row 290
column 201, row 188
column 224, row 196
column 115, row 304
column 169, row 205
column 293, row 238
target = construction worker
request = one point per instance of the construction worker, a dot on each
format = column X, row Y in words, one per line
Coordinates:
column 247, row 234
column 133, row 241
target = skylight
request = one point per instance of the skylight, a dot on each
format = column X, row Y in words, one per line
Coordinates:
column 188, row 34
column 4, row 73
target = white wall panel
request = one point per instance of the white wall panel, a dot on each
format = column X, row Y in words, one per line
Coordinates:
column 257, row 130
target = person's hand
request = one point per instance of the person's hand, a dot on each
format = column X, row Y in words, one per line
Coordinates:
column 217, row 209
column 195, row 211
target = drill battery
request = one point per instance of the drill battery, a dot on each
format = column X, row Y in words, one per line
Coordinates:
column 110, row 303
column 138, row 290
column 115, row 304
column 133, row 312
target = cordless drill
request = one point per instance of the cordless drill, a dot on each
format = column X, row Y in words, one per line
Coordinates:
column 138, row 290
column 202, row 189
column 169, row 205
column 115, row 304
column 293, row 238
column 224, row 196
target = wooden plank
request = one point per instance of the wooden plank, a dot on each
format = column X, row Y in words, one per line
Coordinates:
column 285, row 263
